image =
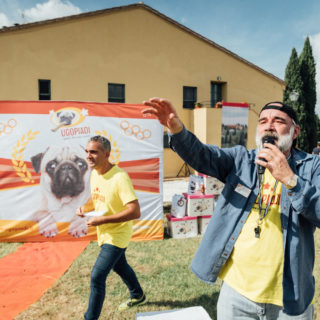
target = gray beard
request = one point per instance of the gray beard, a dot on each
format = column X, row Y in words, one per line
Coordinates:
column 283, row 142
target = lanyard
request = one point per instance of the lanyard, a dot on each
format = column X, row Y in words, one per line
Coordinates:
column 257, row 229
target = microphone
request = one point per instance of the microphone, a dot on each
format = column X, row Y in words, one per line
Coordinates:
column 266, row 139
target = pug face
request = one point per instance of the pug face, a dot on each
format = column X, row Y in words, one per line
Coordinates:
column 63, row 170
column 66, row 117
column 64, row 186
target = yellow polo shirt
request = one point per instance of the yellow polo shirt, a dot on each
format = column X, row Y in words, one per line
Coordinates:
column 110, row 193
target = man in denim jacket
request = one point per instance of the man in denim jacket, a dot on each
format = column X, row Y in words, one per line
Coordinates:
column 249, row 235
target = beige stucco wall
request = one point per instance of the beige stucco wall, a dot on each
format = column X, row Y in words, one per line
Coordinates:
column 207, row 125
column 135, row 47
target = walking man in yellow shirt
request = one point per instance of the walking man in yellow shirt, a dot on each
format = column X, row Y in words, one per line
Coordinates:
column 111, row 193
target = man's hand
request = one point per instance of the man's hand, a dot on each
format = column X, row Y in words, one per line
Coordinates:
column 80, row 212
column 92, row 221
column 131, row 212
column 276, row 162
column 95, row 221
column 165, row 113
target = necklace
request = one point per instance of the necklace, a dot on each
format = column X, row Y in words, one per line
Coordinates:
column 257, row 229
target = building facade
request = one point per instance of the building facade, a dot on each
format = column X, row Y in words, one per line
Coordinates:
column 129, row 54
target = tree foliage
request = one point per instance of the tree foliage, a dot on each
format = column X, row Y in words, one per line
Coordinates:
column 318, row 127
column 308, row 76
column 300, row 79
column 294, row 85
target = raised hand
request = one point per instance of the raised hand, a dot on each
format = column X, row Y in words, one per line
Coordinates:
column 165, row 112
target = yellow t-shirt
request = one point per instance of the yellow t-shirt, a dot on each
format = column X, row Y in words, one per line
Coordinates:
column 110, row 193
column 255, row 267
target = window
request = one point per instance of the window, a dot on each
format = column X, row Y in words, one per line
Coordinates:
column 44, row 89
column 216, row 93
column 189, row 97
column 116, row 92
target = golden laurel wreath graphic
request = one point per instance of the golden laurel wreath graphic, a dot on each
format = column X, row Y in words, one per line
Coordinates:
column 114, row 153
column 17, row 156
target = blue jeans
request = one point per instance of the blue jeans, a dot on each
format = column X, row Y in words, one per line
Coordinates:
column 110, row 257
column 234, row 306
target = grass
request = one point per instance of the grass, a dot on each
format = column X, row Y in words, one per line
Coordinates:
column 7, row 248
column 163, row 270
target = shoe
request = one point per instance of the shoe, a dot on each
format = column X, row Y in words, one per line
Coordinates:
column 132, row 303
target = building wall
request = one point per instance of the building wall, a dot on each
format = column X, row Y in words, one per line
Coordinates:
column 204, row 120
column 134, row 46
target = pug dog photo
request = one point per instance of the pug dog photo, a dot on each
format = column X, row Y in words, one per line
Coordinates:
column 65, row 186
column 65, row 119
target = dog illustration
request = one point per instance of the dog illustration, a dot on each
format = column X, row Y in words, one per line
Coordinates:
column 65, row 119
column 65, row 186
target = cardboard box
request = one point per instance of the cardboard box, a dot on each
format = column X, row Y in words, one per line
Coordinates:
column 186, row 227
column 178, row 206
column 199, row 205
column 211, row 185
column 203, row 222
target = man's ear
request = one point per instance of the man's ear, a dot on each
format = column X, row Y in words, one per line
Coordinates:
column 296, row 132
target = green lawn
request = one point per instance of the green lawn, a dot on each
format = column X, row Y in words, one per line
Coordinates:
column 162, row 268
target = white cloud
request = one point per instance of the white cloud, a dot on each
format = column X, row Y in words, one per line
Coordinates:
column 50, row 10
column 315, row 43
column 4, row 21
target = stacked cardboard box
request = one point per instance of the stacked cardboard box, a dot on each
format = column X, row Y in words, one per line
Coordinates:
column 191, row 211
column 203, row 222
column 185, row 227
column 211, row 185
column 199, row 205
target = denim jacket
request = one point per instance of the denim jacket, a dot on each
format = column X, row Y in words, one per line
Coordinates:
column 300, row 213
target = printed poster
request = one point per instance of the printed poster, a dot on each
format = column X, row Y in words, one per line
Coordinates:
column 234, row 124
column 44, row 175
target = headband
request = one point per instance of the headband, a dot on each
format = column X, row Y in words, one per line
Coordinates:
column 284, row 108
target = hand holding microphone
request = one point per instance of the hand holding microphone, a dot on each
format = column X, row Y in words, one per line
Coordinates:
column 266, row 139
column 274, row 159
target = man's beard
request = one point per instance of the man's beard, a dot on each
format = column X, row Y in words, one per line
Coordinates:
column 284, row 142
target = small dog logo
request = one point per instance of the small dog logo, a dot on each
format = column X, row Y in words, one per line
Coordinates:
column 65, row 119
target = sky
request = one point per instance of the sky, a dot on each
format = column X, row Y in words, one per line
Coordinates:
column 262, row 32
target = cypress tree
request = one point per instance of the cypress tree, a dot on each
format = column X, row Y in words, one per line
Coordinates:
column 318, row 127
column 294, row 84
column 308, row 76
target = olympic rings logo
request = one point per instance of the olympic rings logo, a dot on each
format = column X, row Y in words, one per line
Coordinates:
column 135, row 130
column 7, row 128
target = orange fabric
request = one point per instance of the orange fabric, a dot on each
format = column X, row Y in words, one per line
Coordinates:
column 147, row 229
column 26, row 274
